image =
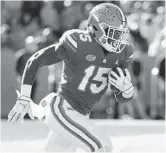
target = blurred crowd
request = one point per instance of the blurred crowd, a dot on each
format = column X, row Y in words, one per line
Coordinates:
column 27, row 26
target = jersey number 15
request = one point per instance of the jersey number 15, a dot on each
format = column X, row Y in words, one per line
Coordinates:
column 96, row 74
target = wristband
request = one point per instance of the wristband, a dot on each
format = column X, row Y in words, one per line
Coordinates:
column 26, row 90
column 128, row 94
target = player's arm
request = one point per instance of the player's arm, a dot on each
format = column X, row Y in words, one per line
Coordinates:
column 47, row 56
column 123, row 84
column 64, row 50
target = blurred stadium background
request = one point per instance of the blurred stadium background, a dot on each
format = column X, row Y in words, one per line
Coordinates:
column 27, row 26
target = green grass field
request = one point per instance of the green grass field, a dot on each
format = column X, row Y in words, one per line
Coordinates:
column 126, row 135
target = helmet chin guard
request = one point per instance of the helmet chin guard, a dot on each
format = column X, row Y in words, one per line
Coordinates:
column 113, row 37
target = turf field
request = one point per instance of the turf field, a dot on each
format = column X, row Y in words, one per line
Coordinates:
column 126, row 135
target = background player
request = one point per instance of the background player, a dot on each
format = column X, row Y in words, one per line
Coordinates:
column 89, row 60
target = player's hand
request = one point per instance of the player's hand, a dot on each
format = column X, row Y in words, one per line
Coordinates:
column 20, row 109
column 122, row 82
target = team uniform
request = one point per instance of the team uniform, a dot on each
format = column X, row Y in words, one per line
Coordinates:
column 85, row 78
column 85, row 71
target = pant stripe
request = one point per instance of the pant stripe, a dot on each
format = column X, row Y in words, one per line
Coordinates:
column 67, row 128
column 78, row 126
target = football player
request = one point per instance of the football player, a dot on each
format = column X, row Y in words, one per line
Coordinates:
column 89, row 58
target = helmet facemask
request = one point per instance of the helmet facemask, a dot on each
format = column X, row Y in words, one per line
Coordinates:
column 113, row 37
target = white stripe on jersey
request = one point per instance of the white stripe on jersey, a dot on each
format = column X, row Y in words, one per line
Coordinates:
column 70, row 126
column 72, row 41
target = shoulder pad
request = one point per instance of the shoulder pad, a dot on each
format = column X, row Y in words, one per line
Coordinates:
column 69, row 38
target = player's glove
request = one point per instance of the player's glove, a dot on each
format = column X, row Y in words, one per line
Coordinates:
column 20, row 109
column 122, row 82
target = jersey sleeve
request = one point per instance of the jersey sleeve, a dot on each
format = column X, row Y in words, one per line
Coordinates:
column 44, row 57
column 64, row 50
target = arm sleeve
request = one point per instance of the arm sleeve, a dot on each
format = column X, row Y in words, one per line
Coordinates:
column 47, row 56
column 64, row 50
column 128, row 58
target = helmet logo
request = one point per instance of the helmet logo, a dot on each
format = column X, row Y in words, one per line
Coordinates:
column 106, row 12
column 90, row 57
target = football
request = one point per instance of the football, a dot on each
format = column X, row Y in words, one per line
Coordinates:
column 116, row 71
